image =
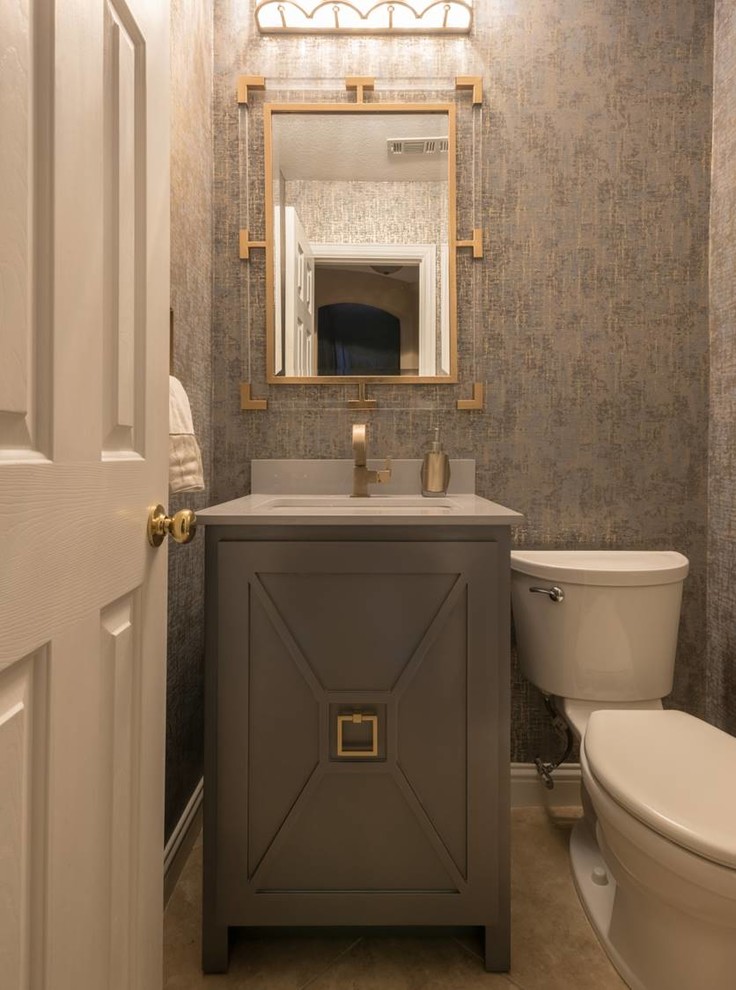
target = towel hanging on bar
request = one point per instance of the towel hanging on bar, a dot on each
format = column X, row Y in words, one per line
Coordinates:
column 185, row 457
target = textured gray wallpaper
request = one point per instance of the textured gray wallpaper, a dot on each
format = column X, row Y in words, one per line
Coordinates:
column 191, row 300
column 587, row 318
column 371, row 212
column 721, row 679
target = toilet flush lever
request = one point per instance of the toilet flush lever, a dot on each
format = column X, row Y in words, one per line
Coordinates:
column 556, row 594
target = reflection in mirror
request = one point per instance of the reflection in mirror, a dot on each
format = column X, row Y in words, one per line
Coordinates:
column 361, row 272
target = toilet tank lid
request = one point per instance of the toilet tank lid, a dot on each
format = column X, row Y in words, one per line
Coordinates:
column 673, row 772
column 613, row 568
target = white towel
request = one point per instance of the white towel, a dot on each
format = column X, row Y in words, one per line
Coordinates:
column 185, row 458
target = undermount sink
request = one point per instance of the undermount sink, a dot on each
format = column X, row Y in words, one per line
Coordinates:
column 402, row 505
column 343, row 510
column 314, row 494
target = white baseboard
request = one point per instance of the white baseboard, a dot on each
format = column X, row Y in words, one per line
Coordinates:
column 181, row 840
column 528, row 790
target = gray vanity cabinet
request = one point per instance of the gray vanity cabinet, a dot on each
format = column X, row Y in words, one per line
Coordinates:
column 357, row 756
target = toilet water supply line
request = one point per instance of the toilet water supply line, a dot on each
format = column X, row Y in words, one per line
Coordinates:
column 546, row 769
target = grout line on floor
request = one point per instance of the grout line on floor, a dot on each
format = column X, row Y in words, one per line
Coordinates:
column 310, row 982
column 513, row 982
column 477, row 955
column 466, row 948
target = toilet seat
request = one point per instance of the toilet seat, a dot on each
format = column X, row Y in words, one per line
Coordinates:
column 671, row 771
column 577, row 713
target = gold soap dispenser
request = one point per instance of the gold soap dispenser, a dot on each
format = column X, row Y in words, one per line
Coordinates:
column 435, row 469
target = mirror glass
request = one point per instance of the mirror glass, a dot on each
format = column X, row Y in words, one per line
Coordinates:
column 361, row 259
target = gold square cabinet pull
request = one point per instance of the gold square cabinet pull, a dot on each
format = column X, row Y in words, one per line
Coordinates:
column 181, row 527
column 357, row 718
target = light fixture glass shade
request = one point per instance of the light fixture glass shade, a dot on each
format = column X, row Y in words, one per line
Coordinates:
column 364, row 16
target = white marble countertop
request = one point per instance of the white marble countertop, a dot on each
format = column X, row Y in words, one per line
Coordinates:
column 317, row 492
column 342, row 510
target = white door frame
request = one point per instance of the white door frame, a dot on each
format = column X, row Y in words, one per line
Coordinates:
column 423, row 255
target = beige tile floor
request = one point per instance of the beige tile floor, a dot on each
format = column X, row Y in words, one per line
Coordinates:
column 552, row 947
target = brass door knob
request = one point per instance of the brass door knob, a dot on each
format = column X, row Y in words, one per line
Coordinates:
column 181, row 527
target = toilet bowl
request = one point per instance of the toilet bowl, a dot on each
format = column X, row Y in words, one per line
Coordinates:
column 659, row 784
column 654, row 857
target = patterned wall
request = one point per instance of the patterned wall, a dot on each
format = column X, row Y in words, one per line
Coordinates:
column 191, row 300
column 371, row 212
column 721, row 680
column 587, row 318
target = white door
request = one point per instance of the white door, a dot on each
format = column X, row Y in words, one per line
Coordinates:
column 84, row 279
column 299, row 337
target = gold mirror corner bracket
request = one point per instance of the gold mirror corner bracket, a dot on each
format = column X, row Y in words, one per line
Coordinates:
column 475, row 242
column 248, row 82
column 474, row 83
column 246, row 402
column 362, row 402
column 360, row 84
column 182, row 526
column 246, row 245
column 477, row 402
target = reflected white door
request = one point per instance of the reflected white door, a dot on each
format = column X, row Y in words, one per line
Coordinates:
column 300, row 344
column 84, row 279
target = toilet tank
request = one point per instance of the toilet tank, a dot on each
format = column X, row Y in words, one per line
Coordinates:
column 613, row 637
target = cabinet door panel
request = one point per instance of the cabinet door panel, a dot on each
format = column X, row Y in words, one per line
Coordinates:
column 432, row 749
column 340, row 621
column 283, row 721
column 409, row 630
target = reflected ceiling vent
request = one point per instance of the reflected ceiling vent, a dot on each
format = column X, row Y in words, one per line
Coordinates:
column 418, row 146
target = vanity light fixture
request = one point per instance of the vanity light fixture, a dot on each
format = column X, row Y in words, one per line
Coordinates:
column 364, row 16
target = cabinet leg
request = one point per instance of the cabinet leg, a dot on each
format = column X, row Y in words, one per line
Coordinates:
column 215, row 948
column 498, row 948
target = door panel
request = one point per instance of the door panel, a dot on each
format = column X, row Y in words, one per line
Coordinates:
column 299, row 302
column 83, row 454
column 124, row 218
column 25, row 95
column 120, row 654
column 22, row 768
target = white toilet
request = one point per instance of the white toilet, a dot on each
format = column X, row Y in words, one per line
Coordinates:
column 654, row 858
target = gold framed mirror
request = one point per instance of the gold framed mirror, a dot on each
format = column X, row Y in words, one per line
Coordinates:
column 360, row 243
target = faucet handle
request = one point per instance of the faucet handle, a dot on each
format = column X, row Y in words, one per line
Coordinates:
column 385, row 475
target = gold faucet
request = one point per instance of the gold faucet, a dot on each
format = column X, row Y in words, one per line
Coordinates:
column 362, row 477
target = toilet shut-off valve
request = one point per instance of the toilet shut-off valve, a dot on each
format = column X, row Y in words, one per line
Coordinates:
column 545, row 769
